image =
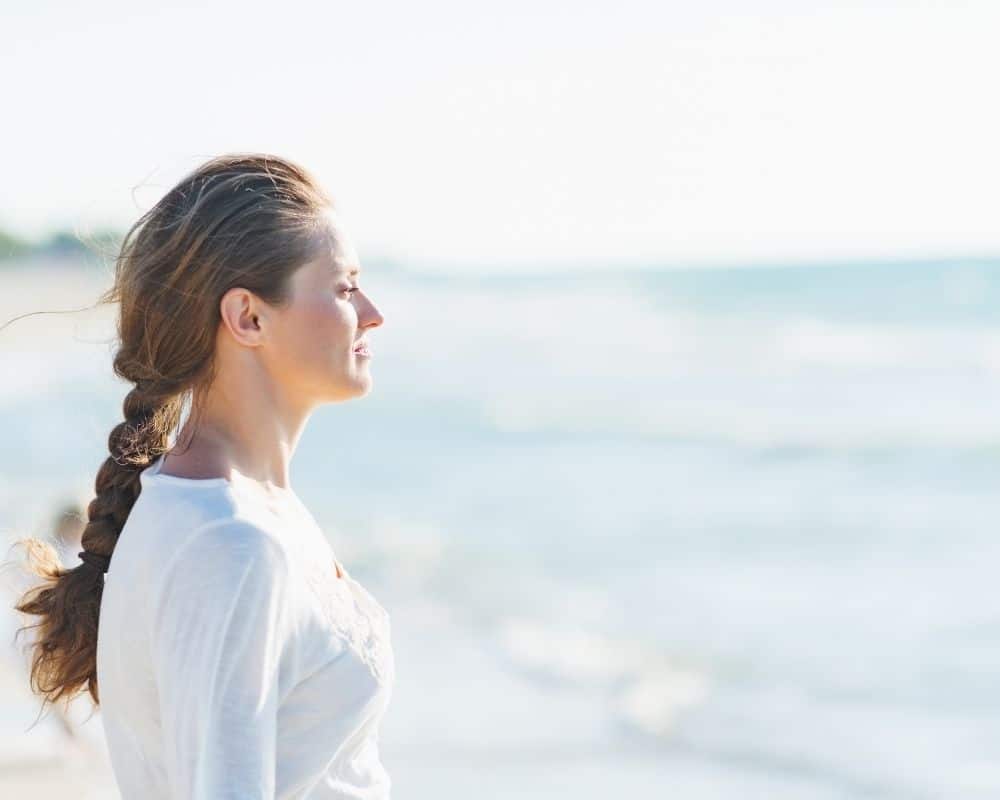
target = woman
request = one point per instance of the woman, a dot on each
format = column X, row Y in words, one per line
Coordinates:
column 235, row 656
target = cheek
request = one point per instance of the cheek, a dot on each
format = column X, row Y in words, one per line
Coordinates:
column 324, row 327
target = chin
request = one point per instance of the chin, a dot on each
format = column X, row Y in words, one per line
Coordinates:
column 351, row 390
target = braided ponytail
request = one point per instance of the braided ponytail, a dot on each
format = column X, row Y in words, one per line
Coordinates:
column 68, row 601
column 239, row 220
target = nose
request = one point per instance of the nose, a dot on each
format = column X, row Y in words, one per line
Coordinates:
column 368, row 314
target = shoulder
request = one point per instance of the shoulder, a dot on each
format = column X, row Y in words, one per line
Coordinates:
column 227, row 551
column 226, row 595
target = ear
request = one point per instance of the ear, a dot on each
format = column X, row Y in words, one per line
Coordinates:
column 241, row 313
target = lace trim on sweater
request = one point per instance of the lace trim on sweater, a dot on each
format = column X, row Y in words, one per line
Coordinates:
column 355, row 616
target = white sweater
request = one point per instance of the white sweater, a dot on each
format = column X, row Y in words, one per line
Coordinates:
column 232, row 662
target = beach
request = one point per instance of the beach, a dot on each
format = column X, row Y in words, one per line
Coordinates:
column 716, row 533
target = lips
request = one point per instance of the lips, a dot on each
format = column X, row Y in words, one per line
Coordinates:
column 362, row 348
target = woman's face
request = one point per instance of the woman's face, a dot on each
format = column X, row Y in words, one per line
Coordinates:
column 328, row 317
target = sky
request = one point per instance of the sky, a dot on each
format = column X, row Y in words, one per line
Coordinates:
column 518, row 134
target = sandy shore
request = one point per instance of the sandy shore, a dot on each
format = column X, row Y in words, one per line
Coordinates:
column 39, row 761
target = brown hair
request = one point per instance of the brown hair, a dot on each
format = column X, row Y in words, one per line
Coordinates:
column 244, row 220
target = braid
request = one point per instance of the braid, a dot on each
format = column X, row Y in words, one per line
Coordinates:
column 117, row 483
column 65, row 658
column 133, row 444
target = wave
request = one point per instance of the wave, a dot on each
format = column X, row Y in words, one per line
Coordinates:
column 648, row 691
column 777, row 433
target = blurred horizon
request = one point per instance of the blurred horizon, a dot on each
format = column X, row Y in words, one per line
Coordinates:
column 75, row 249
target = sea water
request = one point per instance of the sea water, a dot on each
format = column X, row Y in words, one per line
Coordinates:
column 700, row 533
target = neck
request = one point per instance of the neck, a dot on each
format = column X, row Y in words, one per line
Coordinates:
column 252, row 429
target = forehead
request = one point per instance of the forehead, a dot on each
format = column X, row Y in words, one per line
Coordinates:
column 339, row 254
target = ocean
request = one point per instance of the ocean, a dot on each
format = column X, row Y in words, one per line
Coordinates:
column 697, row 533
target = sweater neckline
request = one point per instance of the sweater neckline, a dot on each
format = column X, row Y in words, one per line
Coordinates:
column 154, row 471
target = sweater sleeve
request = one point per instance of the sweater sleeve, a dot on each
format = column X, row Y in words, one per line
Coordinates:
column 220, row 625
